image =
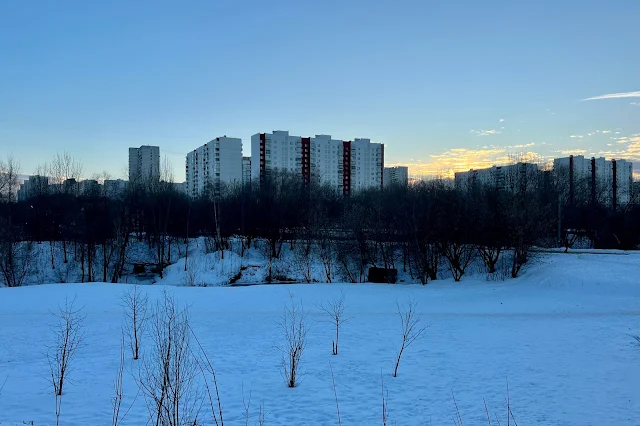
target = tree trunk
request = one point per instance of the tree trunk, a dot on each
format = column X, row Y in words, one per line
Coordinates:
column 53, row 265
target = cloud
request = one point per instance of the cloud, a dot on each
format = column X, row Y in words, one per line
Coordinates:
column 454, row 160
column 606, row 131
column 635, row 103
column 576, row 136
column 486, row 132
column 501, row 120
column 626, row 148
column 572, row 152
column 615, row 96
column 527, row 145
column 463, row 159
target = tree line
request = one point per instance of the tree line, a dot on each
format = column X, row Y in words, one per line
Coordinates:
column 412, row 227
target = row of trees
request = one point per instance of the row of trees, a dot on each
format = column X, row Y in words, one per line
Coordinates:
column 412, row 227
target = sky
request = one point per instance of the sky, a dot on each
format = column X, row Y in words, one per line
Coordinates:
column 444, row 85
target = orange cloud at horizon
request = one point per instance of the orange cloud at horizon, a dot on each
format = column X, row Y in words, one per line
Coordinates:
column 445, row 165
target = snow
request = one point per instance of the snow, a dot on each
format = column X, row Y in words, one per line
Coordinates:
column 561, row 334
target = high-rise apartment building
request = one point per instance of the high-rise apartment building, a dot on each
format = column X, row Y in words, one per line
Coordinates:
column 214, row 163
column 246, row 170
column 344, row 165
column 513, row 177
column 397, row 175
column 114, row 188
column 144, row 163
column 32, row 187
column 596, row 180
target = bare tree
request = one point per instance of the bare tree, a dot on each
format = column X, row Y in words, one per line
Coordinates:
column 459, row 255
column 261, row 416
column 246, row 406
column 385, row 398
column 3, row 383
column 327, row 252
column 116, row 401
column 458, row 418
column 335, row 310
column 303, row 256
column 9, row 181
column 118, row 389
column 135, row 304
column 411, row 329
column 293, row 325
column 335, row 393
column 69, row 335
column 63, row 167
column 206, row 368
column 167, row 378
column 15, row 255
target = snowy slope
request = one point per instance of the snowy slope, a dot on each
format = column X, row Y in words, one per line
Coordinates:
column 561, row 334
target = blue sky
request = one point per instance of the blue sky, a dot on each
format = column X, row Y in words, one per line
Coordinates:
column 445, row 85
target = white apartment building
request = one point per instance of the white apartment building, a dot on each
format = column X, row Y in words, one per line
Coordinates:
column 513, row 177
column 246, row 170
column 113, row 188
column 144, row 163
column 398, row 175
column 367, row 164
column 344, row 165
column 216, row 162
column 583, row 179
column 89, row 187
column 33, row 186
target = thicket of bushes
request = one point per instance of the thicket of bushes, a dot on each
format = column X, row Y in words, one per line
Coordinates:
column 425, row 222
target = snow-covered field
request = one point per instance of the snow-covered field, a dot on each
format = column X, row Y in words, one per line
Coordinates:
column 561, row 334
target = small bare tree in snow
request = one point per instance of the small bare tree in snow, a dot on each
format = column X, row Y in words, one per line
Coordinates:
column 261, row 415
column 335, row 393
column 118, row 389
column 168, row 376
column 411, row 329
column 135, row 304
column 68, row 337
column 206, row 369
column 335, row 310
column 246, row 405
column 294, row 327
column 2, row 387
column 385, row 398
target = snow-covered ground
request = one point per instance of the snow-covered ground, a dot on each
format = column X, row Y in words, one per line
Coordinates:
column 561, row 334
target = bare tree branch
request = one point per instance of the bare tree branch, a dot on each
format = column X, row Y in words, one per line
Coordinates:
column 335, row 310
column 293, row 325
column 135, row 304
column 410, row 329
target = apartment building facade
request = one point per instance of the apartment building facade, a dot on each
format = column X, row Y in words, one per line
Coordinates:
column 113, row 188
column 397, row 175
column 512, row 177
column 595, row 180
column 32, row 187
column 215, row 163
column 344, row 165
column 246, row 170
column 144, row 163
